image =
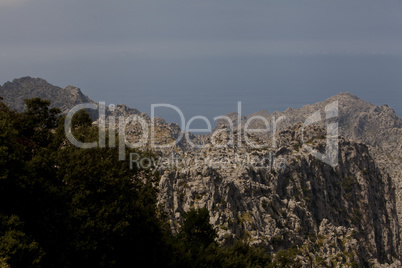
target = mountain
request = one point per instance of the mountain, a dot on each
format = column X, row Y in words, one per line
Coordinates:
column 283, row 197
column 278, row 195
column 379, row 127
column 16, row 91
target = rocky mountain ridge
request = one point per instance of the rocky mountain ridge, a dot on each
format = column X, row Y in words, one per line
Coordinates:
column 16, row 91
column 278, row 195
column 283, row 197
column 377, row 126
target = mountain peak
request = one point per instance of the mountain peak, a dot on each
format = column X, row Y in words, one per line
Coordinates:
column 347, row 94
column 27, row 87
column 263, row 113
column 29, row 81
column 344, row 96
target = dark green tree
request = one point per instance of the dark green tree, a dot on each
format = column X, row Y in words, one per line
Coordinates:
column 16, row 248
column 240, row 254
column 37, row 121
column 196, row 229
column 81, row 119
column 75, row 207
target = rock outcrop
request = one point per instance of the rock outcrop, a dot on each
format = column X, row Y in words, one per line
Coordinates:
column 285, row 197
column 376, row 126
column 16, row 91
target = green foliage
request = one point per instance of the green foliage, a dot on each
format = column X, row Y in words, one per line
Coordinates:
column 81, row 119
column 37, row 121
column 196, row 229
column 39, row 113
column 240, row 254
column 3, row 263
column 16, row 248
column 107, row 201
column 11, row 149
column 286, row 257
column 320, row 261
column 62, row 206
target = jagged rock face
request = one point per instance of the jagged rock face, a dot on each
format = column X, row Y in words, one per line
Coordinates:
column 121, row 110
column 235, row 119
column 349, row 207
column 377, row 126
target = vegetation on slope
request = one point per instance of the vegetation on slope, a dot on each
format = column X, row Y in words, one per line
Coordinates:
column 62, row 206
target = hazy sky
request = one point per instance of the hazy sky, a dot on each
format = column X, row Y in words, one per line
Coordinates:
column 205, row 55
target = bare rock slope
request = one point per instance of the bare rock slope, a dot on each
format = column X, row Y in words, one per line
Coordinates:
column 284, row 197
column 378, row 127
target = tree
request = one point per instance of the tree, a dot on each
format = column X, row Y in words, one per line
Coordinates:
column 240, row 254
column 79, row 207
column 16, row 248
column 37, row 121
column 196, row 229
column 81, row 119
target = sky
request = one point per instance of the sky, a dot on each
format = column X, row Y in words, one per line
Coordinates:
column 206, row 56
